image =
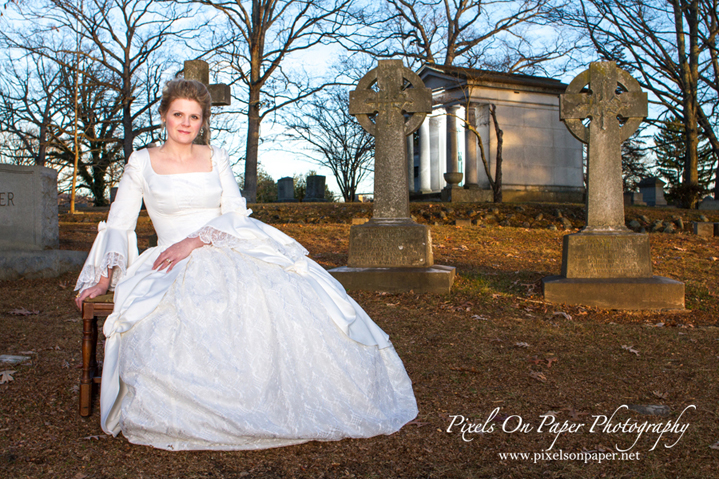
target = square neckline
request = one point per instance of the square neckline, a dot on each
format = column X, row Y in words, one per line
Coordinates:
column 212, row 164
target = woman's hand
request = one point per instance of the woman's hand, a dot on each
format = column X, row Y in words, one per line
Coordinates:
column 176, row 253
column 98, row 290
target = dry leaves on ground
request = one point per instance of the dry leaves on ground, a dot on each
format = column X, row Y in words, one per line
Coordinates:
column 630, row 349
column 22, row 312
column 6, row 376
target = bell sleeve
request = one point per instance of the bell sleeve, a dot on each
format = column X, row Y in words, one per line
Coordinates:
column 116, row 243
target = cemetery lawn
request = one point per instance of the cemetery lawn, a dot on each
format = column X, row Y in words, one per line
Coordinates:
column 492, row 343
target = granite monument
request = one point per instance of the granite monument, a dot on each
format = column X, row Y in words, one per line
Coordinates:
column 391, row 252
column 29, row 237
column 606, row 264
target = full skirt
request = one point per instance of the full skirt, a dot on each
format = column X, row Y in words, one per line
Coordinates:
column 241, row 354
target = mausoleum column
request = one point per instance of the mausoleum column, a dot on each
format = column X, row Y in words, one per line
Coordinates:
column 410, row 160
column 425, row 173
column 470, row 149
column 453, row 176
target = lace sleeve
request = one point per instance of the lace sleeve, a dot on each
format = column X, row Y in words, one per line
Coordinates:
column 91, row 274
column 220, row 239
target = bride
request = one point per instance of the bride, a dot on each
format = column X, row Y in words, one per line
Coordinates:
column 226, row 335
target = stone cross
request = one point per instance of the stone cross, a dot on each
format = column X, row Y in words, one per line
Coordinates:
column 220, row 93
column 399, row 92
column 612, row 95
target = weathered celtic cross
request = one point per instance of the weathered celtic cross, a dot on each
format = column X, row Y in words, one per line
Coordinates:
column 220, row 93
column 399, row 91
column 607, row 110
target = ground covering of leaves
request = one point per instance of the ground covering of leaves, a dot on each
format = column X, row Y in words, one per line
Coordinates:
column 492, row 343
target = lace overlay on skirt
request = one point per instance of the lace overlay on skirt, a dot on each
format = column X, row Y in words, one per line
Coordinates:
column 251, row 360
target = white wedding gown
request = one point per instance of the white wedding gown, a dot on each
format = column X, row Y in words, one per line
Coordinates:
column 245, row 344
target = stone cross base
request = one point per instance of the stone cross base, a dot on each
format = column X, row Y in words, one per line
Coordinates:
column 611, row 270
column 606, row 255
column 393, row 244
column 458, row 194
column 616, row 293
column 434, row 279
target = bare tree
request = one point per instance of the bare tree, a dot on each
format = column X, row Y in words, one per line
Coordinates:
column 32, row 107
column 258, row 41
column 494, row 182
column 127, row 38
column 335, row 138
column 494, row 35
column 709, row 14
column 668, row 48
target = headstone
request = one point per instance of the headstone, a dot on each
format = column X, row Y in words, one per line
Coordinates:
column 30, row 232
column 652, row 190
column 391, row 252
column 315, row 188
column 606, row 264
column 632, row 198
column 200, row 70
column 709, row 204
column 703, row 229
column 220, row 93
column 286, row 190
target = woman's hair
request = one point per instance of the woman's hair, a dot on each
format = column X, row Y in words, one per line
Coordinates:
column 188, row 90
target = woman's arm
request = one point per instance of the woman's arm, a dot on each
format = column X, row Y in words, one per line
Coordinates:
column 94, row 291
column 176, row 253
column 115, row 246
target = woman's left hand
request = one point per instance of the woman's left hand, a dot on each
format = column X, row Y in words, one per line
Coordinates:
column 176, row 253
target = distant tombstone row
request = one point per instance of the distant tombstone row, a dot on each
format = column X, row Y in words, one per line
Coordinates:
column 314, row 190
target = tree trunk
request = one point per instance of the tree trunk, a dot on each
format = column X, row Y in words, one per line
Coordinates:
column 42, row 140
column 688, row 62
column 497, row 187
column 253, row 142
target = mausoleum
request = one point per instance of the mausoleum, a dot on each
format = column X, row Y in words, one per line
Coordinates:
column 542, row 161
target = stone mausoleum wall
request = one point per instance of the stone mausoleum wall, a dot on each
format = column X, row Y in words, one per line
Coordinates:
column 542, row 160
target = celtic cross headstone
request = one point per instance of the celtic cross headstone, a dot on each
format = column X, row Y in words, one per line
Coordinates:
column 399, row 91
column 614, row 116
column 606, row 264
column 391, row 252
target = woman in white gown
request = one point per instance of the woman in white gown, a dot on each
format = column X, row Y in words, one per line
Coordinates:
column 225, row 335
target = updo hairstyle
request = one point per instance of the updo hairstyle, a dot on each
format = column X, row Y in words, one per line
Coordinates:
column 188, row 90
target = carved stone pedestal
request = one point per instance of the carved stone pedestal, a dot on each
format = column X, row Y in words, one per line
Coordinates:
column 390, row 244
column 393, row 256
column 611, row 270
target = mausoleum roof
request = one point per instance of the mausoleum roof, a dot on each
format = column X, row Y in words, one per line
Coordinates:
column 492, row 78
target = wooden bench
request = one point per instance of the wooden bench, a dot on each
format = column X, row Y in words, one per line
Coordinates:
column 92, row 309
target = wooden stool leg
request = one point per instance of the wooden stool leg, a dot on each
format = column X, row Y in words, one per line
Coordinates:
column 89, row 363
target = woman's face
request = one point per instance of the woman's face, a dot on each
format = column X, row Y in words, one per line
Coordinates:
column 183, row 121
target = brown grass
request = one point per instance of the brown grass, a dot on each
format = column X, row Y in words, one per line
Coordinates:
column 463, row 352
